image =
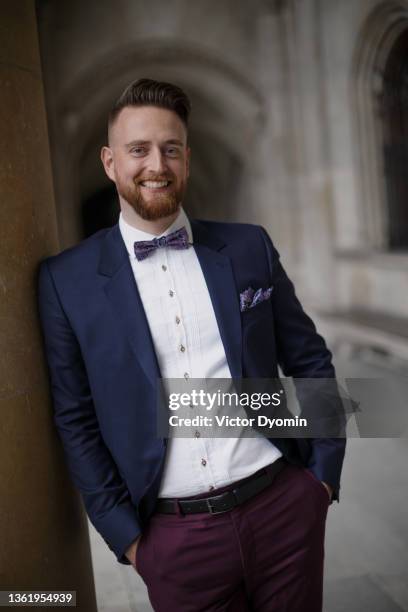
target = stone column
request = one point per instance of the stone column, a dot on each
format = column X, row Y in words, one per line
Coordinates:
column 43, row 529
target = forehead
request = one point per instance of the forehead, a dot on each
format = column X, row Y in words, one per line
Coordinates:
column 148, row 123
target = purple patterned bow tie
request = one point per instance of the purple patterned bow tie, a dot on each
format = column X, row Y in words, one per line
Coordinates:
column 175, row 240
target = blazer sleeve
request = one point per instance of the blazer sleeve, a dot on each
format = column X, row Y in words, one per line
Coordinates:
column 302, row 353
column 91, row 466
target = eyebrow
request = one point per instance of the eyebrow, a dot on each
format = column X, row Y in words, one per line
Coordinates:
column 173, row 141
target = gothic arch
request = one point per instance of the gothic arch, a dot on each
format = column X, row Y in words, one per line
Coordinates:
column 377, row 38
column 228, row 106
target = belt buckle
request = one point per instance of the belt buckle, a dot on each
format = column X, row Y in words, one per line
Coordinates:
column 211, row 509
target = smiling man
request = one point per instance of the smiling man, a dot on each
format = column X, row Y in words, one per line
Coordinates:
column 210, row 524
column 150, row 170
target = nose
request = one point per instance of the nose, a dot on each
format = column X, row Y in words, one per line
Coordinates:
column 156, row 161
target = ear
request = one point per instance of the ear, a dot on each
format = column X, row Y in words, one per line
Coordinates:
column 108, row 162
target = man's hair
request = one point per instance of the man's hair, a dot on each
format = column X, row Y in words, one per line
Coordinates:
column 147, row 92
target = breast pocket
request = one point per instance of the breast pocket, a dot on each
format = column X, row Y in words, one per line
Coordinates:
column 258, row 340
column 261, row 310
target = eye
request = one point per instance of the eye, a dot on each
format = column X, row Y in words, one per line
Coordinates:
column 138, row 151
column 172, row 151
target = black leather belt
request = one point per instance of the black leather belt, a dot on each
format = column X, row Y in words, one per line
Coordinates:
column 225, row 501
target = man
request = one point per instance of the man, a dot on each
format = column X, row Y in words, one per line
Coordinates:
column 210, row 524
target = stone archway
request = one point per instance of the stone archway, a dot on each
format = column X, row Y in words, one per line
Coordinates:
column 227, row 114
column 371, row 95
column 393, row 110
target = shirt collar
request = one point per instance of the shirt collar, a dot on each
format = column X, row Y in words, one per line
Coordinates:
column 131, row 234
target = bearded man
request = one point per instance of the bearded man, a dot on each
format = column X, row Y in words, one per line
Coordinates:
column 209, row 523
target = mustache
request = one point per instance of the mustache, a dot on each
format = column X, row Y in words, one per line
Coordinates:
column 157, row 177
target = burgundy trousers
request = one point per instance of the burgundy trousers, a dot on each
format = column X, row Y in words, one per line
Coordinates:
column 265, row 555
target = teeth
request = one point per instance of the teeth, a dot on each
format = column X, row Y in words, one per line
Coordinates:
column 155, row 184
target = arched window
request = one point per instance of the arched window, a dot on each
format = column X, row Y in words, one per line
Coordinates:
column 393, row 109
column 380, row 91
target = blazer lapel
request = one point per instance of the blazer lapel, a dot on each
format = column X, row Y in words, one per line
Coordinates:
column 218, row 273
column 121, row 290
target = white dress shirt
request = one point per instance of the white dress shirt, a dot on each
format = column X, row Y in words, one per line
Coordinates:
column 188, row 344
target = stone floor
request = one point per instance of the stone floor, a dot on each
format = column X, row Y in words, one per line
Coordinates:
column 366, row 567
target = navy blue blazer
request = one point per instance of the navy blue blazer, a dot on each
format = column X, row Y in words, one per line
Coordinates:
column 103, row 367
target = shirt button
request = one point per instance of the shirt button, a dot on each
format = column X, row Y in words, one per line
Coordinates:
column 171, row 293
column 197, row 435
column 203, row 462
column 186, row 375
column 164, row 268
column 182, row 348
column 177, row 320
column 191, row 405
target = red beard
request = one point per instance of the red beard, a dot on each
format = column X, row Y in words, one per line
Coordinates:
column 159, row 206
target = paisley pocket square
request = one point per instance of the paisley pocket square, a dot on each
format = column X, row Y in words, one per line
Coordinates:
column 250, row 298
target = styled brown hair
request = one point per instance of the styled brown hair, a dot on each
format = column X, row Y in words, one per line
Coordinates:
column 147, row 92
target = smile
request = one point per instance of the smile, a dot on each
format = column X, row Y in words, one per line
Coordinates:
column 155, row 184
